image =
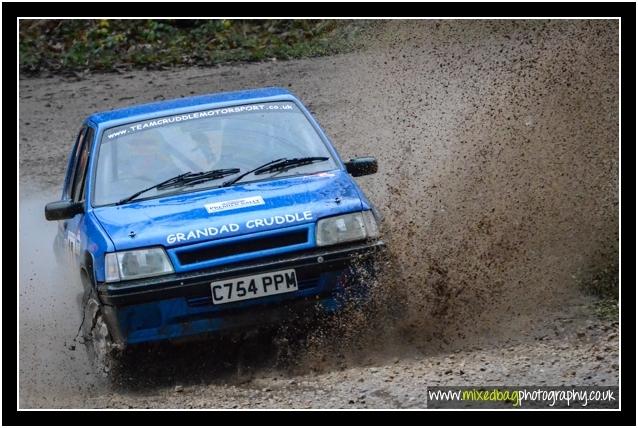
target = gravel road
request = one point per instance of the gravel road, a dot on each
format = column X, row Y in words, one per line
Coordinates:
column 498, row 181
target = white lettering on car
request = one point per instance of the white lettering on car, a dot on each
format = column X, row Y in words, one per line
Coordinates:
column 73, row 242
column 227, row 228
column 284, row 105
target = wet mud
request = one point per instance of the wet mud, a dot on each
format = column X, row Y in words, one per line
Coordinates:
column 498, row 152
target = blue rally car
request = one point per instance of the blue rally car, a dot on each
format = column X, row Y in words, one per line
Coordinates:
column 208, row 213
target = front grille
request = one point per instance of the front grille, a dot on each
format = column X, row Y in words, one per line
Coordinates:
column 243, row 246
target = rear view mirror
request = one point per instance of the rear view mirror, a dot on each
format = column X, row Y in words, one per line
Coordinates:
column 62, row 210
column 362, row 166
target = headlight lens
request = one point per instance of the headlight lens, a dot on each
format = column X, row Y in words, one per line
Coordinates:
column 346, row 228
column 124, row 265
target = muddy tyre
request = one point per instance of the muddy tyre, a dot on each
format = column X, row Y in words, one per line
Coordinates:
column 103, row 354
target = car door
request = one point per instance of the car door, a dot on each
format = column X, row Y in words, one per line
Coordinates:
column 60, row 243
column 75, row 191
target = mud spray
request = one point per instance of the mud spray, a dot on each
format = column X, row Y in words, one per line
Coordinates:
column 53, row 363
column 497, row 144
column 498, row 180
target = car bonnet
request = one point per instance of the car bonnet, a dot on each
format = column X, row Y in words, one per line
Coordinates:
column 201, row 216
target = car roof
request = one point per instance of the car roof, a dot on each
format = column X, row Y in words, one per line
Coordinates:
column 254, row 95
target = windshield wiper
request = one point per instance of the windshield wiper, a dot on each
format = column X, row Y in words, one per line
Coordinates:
column 199, row 177
column 281, row 164
column 186, row 179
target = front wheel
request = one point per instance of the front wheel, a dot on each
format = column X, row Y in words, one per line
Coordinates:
column 102, row 351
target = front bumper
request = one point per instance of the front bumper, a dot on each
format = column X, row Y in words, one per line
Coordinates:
column 179, row 305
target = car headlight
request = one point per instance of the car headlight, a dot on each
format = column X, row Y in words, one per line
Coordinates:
column 346, row 228
column 124, row 265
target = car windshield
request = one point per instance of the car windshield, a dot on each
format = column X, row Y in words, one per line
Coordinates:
column 141, row 154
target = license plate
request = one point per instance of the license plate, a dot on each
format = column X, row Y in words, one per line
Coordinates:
column 254, row 286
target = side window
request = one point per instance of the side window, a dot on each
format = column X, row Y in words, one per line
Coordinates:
column 68, row 183
column 79, row 176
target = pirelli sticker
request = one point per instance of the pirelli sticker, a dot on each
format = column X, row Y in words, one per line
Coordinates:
column 215, row 207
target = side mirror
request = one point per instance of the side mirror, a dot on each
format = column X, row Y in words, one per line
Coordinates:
column 62, row 210
column 362, row 166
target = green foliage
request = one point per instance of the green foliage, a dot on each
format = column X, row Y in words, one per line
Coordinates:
column 105, row 44
column 602, row 281
column 606, row 309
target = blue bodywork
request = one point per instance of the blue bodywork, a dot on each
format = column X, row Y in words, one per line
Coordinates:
column 179, row 304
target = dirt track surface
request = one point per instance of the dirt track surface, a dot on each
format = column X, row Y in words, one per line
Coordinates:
column 498, row 152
